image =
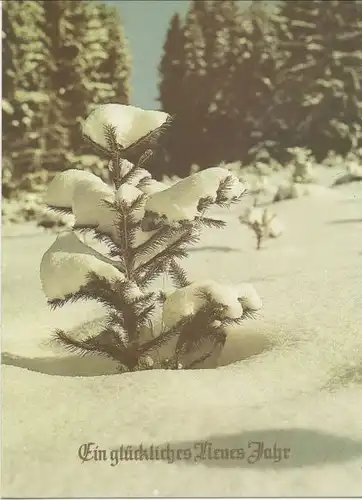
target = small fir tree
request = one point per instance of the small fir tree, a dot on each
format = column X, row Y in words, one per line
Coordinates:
column 146, row 227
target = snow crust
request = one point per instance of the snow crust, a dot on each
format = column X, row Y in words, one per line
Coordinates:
column 187, row 301
column 131, row 123
column 65, row 266
column 304, row 393
column 179, row 202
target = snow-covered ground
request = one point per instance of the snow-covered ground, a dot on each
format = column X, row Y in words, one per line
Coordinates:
column 295, row 378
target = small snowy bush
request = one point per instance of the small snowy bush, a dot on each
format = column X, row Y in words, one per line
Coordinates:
column 303, row 163
column 145, row 227
column 263, row 222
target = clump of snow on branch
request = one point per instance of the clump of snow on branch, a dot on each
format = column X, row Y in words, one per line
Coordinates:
column 61, row 189
column 186, row 301
column 130, row 124
column 89, row 205
column 152, row 186
column 66, row 265
column 180, row 202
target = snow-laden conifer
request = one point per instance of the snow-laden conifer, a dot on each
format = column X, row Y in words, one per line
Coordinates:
column 145, row 228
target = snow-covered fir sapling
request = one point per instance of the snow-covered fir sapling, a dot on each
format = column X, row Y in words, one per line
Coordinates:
column 303, row 163
column 144, row 227
column 263, row 222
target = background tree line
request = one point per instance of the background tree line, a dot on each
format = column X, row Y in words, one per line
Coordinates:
column 60, row 57
column 269, row 77
column 239, row 81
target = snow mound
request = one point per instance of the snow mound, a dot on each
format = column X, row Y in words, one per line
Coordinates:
column 180, row 201
column 66, row 264
column 61, row 189
column 355, row 169
column 188, row 300
column 354, row 173
column 298, row 190
column 130, row 123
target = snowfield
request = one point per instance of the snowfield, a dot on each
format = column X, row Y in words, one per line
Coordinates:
column 290, row 379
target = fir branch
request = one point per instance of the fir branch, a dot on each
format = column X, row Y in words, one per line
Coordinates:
column 60, row 210
column 161, row 237
column 204, row 204
column 144, row 316
column 84, row 228
column 103, row 151
column 97, row 288
column 249, row 314
column 143, row 301
column 116, row 170
column 131, row 174
column 175, row 249
column 211, row 223
column 194, row 340
column 149, row 141
column 203, row 358
column 111, row 138
column 178, row 275
column 106, row 238
column 166, row 336
column 144, row 182
column 145, row 157
column 115, row 319
column 81, row 347
column 113, row 248
column 126, row 228
column 145, row 278
column 138, row 203
column 201, row 326
column 222, row 194
column 232, row 321
column 161, row 297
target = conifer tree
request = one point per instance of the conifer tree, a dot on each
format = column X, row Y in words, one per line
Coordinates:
column 224, row 48
column 319, row 89
column 116, row 67
column 146, row 228
column 90, row 66
column 66, row 22
column 8, row 91
column 172, row 96
column 25, row 89
column 254, row 83
column 172, row 68
column 186, row 142
column 106, row 58
column 193, row 115
column 340, row 83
